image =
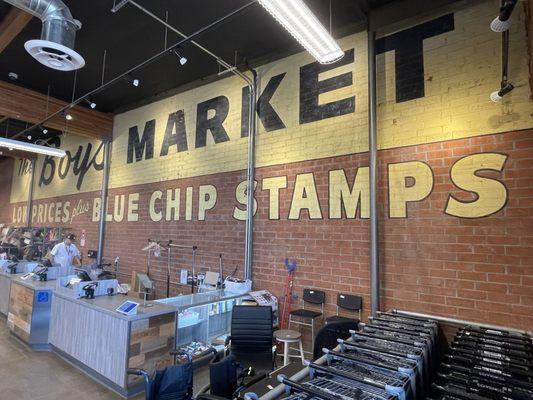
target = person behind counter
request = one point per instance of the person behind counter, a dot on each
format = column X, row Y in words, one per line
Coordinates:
column 66, row 252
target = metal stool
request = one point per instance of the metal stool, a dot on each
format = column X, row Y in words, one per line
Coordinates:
column 287, row 336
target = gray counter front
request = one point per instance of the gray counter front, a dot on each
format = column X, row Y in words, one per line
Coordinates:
column 28, row 316
column 5, row 290
column 91, row 335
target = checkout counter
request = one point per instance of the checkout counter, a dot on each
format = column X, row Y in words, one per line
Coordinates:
column 5, row 289
column 28, row 317
column 5, row 281
column 93, row 336
column 27, row 303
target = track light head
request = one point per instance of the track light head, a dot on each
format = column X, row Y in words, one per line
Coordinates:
column 502, row 22
column 91, row 104
column 497, row 96
column 133, row 81
column 183, row 60
column 67, row 116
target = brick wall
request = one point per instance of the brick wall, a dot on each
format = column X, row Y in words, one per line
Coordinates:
column 6, row 166
column 443, row 145
column 473, row 269
column 477, row 269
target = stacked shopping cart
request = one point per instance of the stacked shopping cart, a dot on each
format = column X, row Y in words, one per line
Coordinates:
column 486, row 364
column 390, row 358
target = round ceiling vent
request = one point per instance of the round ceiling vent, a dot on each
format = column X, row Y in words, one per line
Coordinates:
column 54, row 55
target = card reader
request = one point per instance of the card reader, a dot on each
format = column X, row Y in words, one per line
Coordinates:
column 128, row 308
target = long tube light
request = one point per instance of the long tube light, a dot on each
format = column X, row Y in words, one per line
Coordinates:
column 31, row 148
column 305, row 27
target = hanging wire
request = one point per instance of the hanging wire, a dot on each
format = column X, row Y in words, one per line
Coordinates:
column 166, row 30
column 47, row 100
column 330, row 18
column 74, row 85
column 104, row 59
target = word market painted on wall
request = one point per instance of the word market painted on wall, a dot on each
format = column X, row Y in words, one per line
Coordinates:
column 408, row 182
column 211, row 114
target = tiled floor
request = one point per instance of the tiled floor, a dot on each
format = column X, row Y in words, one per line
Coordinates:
column 27, row 375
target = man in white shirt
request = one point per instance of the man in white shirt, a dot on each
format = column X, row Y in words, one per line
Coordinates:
column 66, row 252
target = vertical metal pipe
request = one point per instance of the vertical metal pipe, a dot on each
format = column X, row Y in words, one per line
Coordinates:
column 250, row 177
column 373, row 154
column 29, row 206
column 169, row 261
column 103, row 207
column 194, row 248
column 505, row 57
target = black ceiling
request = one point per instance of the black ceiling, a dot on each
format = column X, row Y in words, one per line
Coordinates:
column 130, row 37
column 10, row 127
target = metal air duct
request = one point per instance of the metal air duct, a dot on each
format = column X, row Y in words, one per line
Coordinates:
column 55, row 49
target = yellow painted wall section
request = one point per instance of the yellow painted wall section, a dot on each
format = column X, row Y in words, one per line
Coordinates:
column 461, row 68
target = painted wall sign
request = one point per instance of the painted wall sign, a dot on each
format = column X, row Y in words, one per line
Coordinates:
column 408, row 182
column 430, row 89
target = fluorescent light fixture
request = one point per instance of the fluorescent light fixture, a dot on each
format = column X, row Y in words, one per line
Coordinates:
column 305, row 27
column 31, row 148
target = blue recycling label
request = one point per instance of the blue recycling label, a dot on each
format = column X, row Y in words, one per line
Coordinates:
column 43, row 297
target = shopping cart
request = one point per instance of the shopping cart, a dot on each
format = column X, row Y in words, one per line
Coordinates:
column 329, row 387
column 402, row 365
column 391, row 382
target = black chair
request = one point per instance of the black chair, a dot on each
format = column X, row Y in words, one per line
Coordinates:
column 327, row 336
column 173, row 382
column 348, row 302
column 227, row 378
column 314, row 297
column 251, row 339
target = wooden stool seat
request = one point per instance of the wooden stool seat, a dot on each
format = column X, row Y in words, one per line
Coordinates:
column 288, row 336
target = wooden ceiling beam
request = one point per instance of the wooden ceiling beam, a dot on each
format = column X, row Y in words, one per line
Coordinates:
column 13, row 23
column 30, row 106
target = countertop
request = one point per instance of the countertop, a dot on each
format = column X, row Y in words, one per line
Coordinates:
column 108, row 305
column 183, row 302
column 34, row 284
column 10, row 276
